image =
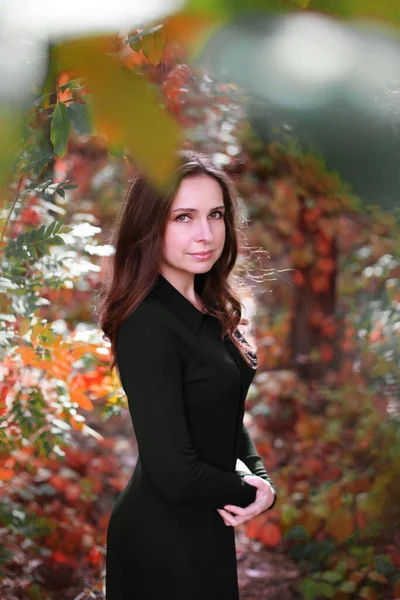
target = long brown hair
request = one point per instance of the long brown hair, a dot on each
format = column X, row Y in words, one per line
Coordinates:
column 137, row 238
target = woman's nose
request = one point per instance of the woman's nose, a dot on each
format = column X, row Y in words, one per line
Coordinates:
column 205, row 232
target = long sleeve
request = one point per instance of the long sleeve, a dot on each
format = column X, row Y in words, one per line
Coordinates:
column 151, row 373
column 248, row 454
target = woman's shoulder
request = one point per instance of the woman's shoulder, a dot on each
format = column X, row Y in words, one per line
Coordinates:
column 148, row 318
column 146, row 334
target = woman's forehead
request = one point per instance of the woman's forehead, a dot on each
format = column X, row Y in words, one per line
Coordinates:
column 199, row 190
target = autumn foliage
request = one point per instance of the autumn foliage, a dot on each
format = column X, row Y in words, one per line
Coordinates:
column 323, row 407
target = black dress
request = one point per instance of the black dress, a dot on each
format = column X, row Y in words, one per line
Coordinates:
column 186, row 391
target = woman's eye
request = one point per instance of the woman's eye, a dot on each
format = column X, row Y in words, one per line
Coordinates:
column 217, row 212
column 179, row 216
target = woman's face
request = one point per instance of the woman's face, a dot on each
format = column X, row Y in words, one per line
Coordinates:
column 195, row 224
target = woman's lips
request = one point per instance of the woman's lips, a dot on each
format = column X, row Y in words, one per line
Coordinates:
column 202, row 256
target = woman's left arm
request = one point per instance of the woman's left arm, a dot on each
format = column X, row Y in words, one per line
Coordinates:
column 248, row 454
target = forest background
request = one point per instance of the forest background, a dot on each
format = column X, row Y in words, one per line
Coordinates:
column 324, row 406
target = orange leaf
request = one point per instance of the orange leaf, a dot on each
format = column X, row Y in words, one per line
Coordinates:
column 77, row 425
column 28, row 355
column 326, row 265
column 308, row 427
column 332, row 473
column 298, row 278
column 316, row 316
column 81, row 399
column 320, row 284
column 255, row 526
column 58, row 483
column 360, row 519
column 297, row 238
column 396, row 589
column 375, row 335
column 310, row 521
column 315, row 465
column 329, row 330
column 322, row 246
column 73, row 492
column 362, row 484
column 326, row 352
column 311, row 215
column 270, row 534
column 334, row 496
column 60, row 557
column 133, row 59
column 6, row 474
column 340, row 525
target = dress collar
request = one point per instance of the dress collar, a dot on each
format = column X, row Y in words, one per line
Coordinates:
column 179, row 304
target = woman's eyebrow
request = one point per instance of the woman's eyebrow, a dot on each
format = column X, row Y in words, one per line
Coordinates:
column 195, row 209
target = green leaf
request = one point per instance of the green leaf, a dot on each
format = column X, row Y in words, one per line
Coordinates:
column 117, row 150
column 384, row 565
column 57, row 241
column 42, row 248
column 348, row 587
column 60, row 129
column 73, row 84
column 50, row 228
column 41, row 230
column 298, row 532
column 325, row 589
column 308, row 588
column 332, row 576
column 80, row 118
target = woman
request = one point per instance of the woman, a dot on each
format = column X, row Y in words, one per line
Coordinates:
column 172, row 318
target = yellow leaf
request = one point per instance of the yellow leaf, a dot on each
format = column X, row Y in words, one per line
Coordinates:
column 153, row 46
column 378, row 577
column 191, row 30
column 125, row 106
column 36, row 330
column 24, row 326
column 340, row 525
column 368, row 593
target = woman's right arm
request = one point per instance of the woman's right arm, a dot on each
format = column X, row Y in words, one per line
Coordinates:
column 152, row 377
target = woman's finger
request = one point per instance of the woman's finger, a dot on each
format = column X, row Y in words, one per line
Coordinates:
column 237, row 510
column 248, row 513
column 228, row 518
column 222, row 517
column 238, row 520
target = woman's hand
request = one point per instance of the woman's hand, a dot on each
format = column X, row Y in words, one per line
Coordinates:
column 236, row 515
column 226, row 516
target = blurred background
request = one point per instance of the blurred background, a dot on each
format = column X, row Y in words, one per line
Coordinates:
column 300, row 103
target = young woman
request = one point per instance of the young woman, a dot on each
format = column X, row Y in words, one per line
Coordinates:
column 172, row 319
